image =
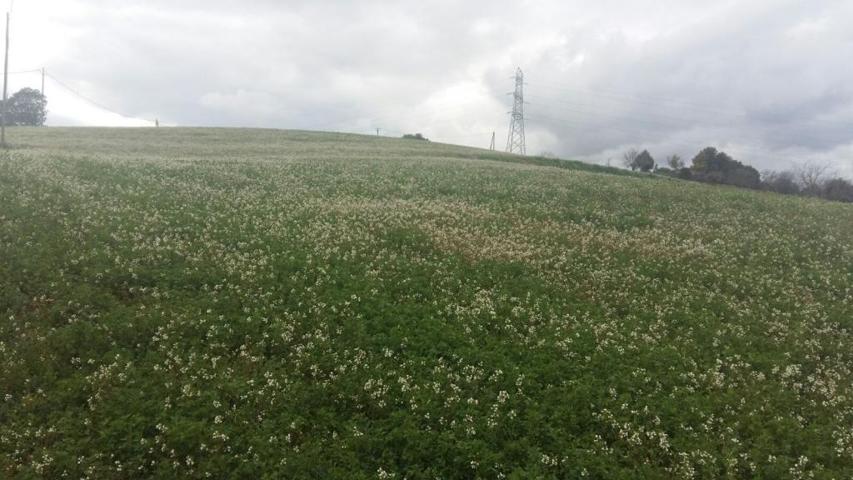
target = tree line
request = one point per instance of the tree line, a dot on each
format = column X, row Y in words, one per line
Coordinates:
column 415, row 136
column 26, row 107
column 713, row 166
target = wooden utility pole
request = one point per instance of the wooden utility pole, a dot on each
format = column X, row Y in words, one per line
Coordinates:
column 5, row 88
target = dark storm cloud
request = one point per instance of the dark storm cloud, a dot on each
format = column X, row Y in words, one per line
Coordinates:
column 768, row 80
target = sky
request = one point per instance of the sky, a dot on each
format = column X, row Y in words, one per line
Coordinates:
column 767, row 81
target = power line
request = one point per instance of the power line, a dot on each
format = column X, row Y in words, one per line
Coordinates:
column 686, row 145
column 585, row 108
column 638, row 125
column 516, row 141
column 45, row 74
column 627, row 97
column 83, row 97
column 24, row 71
column 77, row 93
column 725, row 114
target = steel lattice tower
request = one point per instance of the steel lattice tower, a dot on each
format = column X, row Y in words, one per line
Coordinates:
column 516, row 143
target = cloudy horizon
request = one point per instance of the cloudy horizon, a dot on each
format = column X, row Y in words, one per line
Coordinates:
column 768, row 82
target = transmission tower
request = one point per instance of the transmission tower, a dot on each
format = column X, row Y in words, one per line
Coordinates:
column 516, row 143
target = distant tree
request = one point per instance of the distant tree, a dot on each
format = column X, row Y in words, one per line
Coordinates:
column 645, row 162
column 810, row 179
column 781, row 182
column 707, row 165
column 416, row 136
column 629, row 158
column 713, row 166
column 811, row 176
column 677, row 168
column 26, row 107
column 685, row 174
column 548, row 154
column 675, row 162
column 838, row 189
column 744, row 176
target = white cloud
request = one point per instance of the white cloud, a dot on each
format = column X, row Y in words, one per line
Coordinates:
column 241, row 102
column 767, row 79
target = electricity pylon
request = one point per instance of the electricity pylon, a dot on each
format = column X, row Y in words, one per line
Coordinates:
column 515, row 142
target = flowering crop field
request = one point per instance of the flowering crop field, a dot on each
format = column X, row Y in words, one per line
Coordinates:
column 204, row 303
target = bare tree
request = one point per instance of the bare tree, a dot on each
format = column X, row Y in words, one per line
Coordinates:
column 629, row 158
column 838, row 189
column 780, row 182
column 811, row 176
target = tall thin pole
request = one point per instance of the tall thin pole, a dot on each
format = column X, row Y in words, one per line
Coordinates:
column 42, row 80
column 5, row 87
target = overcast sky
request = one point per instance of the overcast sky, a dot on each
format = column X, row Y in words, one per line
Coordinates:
column 768, row 81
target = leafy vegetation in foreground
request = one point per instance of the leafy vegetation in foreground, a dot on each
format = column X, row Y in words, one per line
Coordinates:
column 195, row 303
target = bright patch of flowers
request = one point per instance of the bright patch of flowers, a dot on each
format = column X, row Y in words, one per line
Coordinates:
column 247, row 304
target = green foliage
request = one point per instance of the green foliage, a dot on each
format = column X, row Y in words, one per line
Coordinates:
column 216, row 303
column 27, row 107
column 712, row 166
column 675, row 162
column 416, row 136
column 644, row 162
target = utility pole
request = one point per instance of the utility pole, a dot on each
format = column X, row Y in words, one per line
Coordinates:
column 515, row 142
column 42, row 80
column 5, row 87
column 492, row 145
column 377, row 131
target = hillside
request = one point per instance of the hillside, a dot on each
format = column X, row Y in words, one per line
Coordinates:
column 185, row 303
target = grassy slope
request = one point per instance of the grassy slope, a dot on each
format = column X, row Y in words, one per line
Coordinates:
column 178, row 302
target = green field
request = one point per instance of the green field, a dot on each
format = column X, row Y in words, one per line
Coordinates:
column 202, row 303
